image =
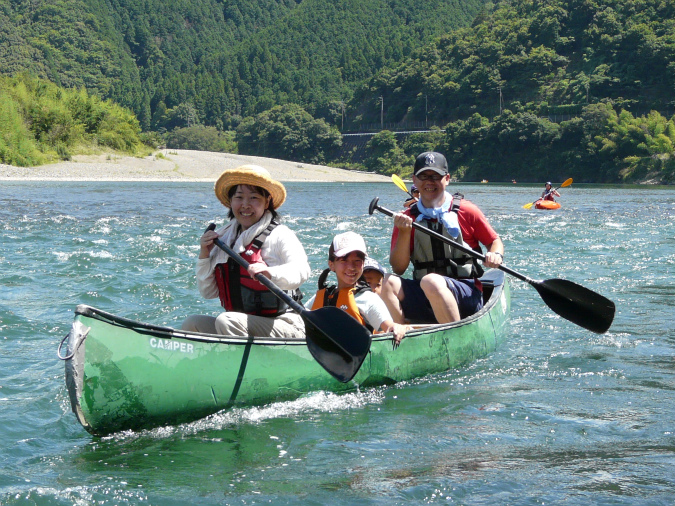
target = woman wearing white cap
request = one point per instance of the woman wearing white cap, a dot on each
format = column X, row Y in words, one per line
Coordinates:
column 271, row 249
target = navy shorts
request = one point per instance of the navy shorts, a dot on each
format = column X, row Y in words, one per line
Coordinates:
column 417, row 308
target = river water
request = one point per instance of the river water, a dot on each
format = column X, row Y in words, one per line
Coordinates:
column 557, row 415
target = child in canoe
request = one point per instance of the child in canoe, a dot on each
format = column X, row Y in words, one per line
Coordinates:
column 346, row 256
column 373, row 274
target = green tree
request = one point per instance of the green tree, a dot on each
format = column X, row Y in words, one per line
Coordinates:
column 201, row 138
column 386, row 157
column 287, row 132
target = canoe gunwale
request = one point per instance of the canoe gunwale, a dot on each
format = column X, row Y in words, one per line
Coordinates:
column 169, row 332
column 494, row 279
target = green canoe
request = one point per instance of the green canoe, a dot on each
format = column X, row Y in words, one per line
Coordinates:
column 122, row 374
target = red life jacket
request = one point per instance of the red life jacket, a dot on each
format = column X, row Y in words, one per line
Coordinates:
column 238, row 291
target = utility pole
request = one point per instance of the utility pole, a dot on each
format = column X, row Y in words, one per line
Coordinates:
column 426, row 111
column 342, row 103
column 381, row 112
column 501, row 100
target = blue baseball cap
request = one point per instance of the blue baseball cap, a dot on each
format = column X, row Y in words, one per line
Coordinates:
column 372, row 264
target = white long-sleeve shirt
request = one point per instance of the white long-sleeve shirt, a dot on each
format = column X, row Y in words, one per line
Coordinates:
column 282, row 252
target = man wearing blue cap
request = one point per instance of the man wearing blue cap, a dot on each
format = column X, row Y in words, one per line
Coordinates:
column 445, row 285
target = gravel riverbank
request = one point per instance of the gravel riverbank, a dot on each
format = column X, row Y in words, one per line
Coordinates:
column 176, row 165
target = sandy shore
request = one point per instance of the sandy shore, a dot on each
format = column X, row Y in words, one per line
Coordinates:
column 176, row 165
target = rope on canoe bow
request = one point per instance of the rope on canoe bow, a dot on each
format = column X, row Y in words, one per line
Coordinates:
column 68, row 357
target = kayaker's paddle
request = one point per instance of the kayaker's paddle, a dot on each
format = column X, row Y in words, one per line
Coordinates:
column 336, row 340
column 399, row 182
column 564, row 185
column 573, row 302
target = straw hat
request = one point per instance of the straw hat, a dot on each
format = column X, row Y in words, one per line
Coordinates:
column 252, row 175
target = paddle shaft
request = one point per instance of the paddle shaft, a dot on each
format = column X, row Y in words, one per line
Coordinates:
column 399, row 182
column 551, row 191
column 456, row 245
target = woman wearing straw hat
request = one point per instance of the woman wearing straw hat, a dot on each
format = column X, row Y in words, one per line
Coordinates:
column 272, row 249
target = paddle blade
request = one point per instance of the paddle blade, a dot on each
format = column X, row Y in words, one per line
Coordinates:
column 528, row 206
column 399, row 182
column 566, row 183
column 577, row 304
column 336, row 341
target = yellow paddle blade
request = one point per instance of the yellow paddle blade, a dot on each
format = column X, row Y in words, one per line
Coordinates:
column 528, row 206
column 399, row 182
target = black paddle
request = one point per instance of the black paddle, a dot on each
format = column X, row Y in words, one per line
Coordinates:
column 336, row 340
column 573, row 302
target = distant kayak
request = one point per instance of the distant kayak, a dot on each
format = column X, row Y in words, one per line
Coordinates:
column 546, row 204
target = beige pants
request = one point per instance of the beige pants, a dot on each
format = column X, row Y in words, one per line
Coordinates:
column 286, row 326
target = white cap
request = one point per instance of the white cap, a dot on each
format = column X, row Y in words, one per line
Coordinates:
column 344, row 244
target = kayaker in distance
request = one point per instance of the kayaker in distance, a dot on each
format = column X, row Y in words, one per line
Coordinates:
column 272, row 249
column 414, row 191
column 444, row 287
column 549, row 192
column 346, row 257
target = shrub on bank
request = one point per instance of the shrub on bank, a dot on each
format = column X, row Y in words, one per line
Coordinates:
column 41, row 122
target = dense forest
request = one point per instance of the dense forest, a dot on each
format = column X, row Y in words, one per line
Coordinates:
column 538, row 89
column 517, row 89
column 546, row 56
column 225, row 59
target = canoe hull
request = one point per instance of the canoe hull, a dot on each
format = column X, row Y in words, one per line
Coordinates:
column 124, row 375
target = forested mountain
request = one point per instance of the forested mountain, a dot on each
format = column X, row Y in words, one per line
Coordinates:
column 525, row 89
column 223, row 58
column 544, row 56
column 537, row 90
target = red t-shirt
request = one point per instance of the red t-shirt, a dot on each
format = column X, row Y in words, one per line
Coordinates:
column 473, row 223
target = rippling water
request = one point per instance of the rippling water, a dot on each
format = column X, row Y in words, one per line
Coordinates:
column 557, row 415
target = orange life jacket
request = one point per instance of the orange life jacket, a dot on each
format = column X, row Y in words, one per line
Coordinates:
column 343, row 299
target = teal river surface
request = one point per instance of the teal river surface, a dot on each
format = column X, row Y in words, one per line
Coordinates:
column 556, row 415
